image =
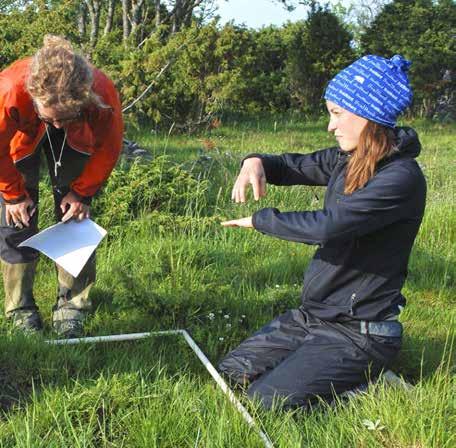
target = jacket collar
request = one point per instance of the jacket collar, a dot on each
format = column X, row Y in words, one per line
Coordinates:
column 406, row 141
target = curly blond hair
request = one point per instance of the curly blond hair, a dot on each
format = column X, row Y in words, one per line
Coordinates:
column 61, row 78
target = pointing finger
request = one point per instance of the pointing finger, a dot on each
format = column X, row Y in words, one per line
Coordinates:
column 228, row 223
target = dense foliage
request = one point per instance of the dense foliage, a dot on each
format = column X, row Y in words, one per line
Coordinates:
column 425, row 32
column 135, row 189
column 198, row 69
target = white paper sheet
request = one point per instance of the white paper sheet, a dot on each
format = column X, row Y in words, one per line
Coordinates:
column 69, row 244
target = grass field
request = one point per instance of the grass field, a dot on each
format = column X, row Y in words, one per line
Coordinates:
column 181, row 269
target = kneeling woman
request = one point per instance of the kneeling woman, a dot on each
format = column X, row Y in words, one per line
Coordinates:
column 346, row 328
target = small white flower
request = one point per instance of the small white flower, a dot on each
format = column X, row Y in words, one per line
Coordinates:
column 211, row 316
column 221, row 339
column 228, row 325
column 373, row 426
column 226, row 316
column 277, row 286
column 243, row 316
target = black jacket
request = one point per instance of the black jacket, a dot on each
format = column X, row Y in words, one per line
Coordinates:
column 365, row 238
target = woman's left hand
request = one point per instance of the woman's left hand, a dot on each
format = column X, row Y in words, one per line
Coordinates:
column 77, row 210
column 242, row 222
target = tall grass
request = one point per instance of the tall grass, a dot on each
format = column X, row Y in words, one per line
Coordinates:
column 166, row 270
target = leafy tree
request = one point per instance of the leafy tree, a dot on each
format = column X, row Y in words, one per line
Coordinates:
column 185, row 70
column 423, row 31
column 267, row 88
column 208, row 72
column 22, row 28
column 317, row 49
column 357, row 15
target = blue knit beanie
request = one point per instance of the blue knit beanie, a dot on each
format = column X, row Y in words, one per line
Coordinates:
column 374, row 88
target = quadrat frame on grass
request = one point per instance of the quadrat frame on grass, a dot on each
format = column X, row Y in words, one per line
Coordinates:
column 388, row 375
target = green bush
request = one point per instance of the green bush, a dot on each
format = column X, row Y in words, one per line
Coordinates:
column 318, row 48
column 135, row 189
column 22, row 28
column 138, row 188
column 214, row 70
column 424, row 32
column 209, row 71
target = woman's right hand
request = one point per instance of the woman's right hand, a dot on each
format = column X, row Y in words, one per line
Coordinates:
column 18, row 214
column 252, row 172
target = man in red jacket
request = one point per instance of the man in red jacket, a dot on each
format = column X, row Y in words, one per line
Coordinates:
column 55, row 104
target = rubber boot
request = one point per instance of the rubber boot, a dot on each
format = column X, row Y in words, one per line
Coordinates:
column 73, row 302
column 20, row 304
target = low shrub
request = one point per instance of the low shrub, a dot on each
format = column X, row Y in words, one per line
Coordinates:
column 135, row 189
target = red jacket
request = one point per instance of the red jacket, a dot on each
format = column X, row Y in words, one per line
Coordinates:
column 98, row 134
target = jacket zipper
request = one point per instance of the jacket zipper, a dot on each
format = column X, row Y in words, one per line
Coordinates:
column 352, row 302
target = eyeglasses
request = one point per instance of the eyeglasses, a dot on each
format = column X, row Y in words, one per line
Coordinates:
column 59, row 120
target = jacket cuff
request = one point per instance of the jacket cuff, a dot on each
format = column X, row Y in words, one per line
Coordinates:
column 261, row 218
column 87, row 200
column 17, row 200
column 251, row 156
column 271, row 169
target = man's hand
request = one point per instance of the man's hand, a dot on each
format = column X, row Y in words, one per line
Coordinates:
column 19, row 214
column 77, row 209
column 242, row 222
column 252, row 172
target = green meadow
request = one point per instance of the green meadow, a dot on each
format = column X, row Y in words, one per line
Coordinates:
column 168, row 264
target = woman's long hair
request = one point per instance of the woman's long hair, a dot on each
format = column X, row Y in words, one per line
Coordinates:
column 375, row 143
column 61, row 78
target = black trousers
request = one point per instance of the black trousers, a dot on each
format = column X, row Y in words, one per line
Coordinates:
column 297, row 358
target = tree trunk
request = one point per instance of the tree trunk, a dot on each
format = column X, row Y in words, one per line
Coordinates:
column 183, row 13
column 82, row 19
column 157, row 13
column 94, row 8
column 125, row 19
column 109, row 16
column 136, row 6
column 187, row 19
column 144, row 21
column 177, row 16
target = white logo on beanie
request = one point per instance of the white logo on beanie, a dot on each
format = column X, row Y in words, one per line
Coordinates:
column 360, row 79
